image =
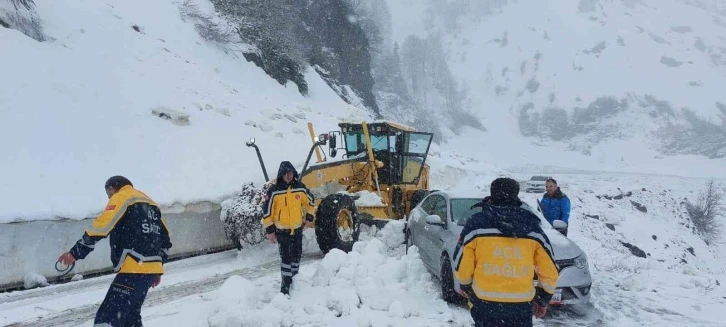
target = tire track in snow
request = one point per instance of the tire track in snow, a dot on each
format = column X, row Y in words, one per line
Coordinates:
column 85, row 284
column 175, row 291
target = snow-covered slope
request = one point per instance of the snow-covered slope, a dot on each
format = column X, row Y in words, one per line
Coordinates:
column 77, row 109
column 598, row 80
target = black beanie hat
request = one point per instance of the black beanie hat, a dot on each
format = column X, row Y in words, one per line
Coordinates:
column 117, row 182
column 504, row 190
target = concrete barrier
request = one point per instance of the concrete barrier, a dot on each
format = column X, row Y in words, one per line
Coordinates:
column 35, row 246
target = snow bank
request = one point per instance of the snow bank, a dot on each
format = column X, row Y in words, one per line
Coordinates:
column 391, row 235
column 366, row 287
column 194, row 228
column 365, row 198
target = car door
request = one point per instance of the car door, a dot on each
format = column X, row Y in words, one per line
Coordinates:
column 433, row 238
column 417, row 224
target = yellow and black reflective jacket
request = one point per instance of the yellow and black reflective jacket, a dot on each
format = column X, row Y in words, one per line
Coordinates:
column 499, row 251
column 139, row 238
column 286, row 204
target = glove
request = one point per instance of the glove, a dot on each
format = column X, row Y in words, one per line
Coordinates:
column 538, row 310
column 467, row 292
column 67, row 259
column 156, row 282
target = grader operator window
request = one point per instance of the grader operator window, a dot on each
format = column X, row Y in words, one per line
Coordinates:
column 415, row 148
column 403, row 153
column 403, row 160
column 355, row 143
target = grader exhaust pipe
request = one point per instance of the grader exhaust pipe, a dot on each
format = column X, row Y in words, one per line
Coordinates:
column 251, row 143
column 318, row 141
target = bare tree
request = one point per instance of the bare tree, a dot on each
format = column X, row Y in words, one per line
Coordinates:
column 705, row 212
column 28, row 4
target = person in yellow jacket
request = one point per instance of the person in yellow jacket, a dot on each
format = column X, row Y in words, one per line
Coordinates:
column 498, row 253
column 288, row 203
column 139, row 243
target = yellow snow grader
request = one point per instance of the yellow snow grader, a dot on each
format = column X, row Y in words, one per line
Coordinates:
column 381, row 175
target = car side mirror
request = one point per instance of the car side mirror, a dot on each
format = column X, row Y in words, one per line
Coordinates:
column 559, row 224
column 434, row 220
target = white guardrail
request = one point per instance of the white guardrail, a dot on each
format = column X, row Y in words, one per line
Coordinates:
column 35, row 246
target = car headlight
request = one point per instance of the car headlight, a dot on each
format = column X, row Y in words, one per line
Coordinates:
column 581, row 261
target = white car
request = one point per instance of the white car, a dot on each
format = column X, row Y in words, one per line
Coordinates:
column 536, row 184
column 434, row 226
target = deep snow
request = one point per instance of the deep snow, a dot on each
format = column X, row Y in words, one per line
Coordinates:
column 79, row 106
column 377, row 284
column 498, row 48
column 78, row 110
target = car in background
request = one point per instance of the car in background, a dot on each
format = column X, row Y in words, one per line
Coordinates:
column 434, row 226
column 535, row 184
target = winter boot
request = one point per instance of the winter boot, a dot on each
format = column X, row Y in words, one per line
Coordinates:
column 285, row 287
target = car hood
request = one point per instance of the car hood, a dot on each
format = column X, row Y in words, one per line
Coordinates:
column 563, row 247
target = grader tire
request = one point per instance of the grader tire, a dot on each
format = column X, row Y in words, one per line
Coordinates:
column 336, row 223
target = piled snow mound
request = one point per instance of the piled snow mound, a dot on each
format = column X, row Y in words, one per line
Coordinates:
column 366, row 287
column 391, row 235
column 265, row 252
column 365, row 198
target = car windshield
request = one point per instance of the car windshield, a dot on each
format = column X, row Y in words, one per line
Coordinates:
column 461, row 210
column 538, row 178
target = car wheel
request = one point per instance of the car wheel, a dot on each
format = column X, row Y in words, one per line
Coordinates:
column 447, row 282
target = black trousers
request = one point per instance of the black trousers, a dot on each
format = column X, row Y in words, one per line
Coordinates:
column 496, row 314
column 290, row 254
column 122, row 305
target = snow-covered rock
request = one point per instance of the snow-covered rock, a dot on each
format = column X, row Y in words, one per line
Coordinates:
column 33, row 280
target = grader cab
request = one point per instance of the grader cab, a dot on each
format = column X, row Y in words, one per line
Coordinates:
column 381, row 175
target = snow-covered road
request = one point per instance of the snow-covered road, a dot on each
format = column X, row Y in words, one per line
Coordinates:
column 678, row 283
column 76, row 302
column 189, row 292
